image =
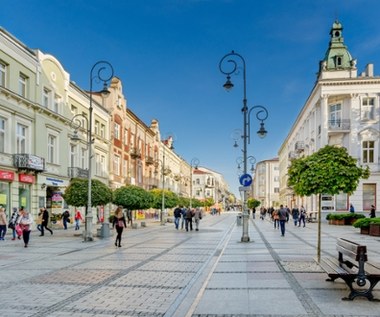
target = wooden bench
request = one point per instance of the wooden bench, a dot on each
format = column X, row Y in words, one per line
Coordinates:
column 353, row 267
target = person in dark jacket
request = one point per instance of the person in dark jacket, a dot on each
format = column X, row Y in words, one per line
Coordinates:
column 119, row 223
column 284, row 216
column 45, row 221
column 189, row 219
column 372, row 213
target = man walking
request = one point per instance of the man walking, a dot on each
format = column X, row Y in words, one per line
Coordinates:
column 44, row 223
column 284, row 216
column 177, row 216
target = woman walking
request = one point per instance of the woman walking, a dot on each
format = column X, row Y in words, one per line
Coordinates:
column 119, row 223
column 25, row 223
column 3, row 223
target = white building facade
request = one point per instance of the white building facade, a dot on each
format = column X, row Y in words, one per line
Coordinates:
column 342, row 110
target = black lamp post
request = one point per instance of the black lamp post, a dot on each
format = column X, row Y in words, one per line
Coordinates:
column 231, row 59
column 193, row 163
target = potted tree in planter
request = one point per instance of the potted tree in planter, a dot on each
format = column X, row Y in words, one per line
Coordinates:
column 363, row 224
column 374, row 227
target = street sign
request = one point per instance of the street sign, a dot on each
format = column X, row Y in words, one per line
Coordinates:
column 244, row 189
column 245, row 180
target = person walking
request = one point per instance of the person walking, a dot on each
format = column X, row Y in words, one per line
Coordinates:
column 78, row 218
column 295, row 215
column 177, row 216
column 283, row 217
column 129, row 217
column 25, row 221
column 65, row 218
column 119, row 223
column 3, row 223
column 197, row 218
column 276, row 219
column 372, row 213
column 302, row 216
column 352, row 209
column 183, row 217
column 44, row 223
column 189, row 219
column 12, row 223
column 39, row 220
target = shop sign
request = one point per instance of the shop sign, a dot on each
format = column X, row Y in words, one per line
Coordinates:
column 7, row 175
column 26, row 178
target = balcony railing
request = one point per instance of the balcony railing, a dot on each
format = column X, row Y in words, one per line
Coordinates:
column 339, row 125
column 149, row 160
column 135, row 153
column 77, row 172
column 29, row 162
column 299, row 146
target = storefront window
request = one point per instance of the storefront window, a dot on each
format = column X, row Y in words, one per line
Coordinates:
column 341, row 201
column 24, row 196
column 369, row 196
column 4, row 197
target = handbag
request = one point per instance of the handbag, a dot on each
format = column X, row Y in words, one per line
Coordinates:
column 18, row 230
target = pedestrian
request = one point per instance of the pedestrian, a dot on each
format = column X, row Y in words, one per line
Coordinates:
column 119, row 223
column 302, row 216
column 129, row 217
column 197, row 218
column 78, row 218
column 276, row 219
column 295, row 215
column 39, row 220
column 183, row 217
column 65, row 218
column 3, row 223
column 177, row 216
column 25, row 221
column 189, row 219
column 12, row 223
column 352, row 209
column 254, row 213
column 372, row 213
column 283, row 216
column 45, row 221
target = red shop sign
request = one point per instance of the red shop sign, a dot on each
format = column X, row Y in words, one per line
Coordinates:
column 6, row 175
column 26, row 178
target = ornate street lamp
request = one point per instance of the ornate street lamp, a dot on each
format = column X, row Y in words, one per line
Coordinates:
column 229, row 65
column 101, row 71
column 193, row 163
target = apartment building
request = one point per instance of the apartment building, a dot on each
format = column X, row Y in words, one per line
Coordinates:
column 342, row 109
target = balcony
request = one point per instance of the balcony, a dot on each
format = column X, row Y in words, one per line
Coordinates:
column 342, row 125
column 299, row 146
column 77, row 172
column 292, row 155
column 29, row 163
column 149, row 160
column 135, row 153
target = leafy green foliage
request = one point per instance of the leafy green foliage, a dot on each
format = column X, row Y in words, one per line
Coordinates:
column 346, row 215
column 76, row 194
column 365, row 222
column 253, row 203
column 208, row 202
column 331, row 170
column 171, row 199
column 132, row 197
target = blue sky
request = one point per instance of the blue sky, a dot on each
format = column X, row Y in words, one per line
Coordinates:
column 166, row 52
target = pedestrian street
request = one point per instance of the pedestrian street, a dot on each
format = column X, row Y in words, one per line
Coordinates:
column 161, row 271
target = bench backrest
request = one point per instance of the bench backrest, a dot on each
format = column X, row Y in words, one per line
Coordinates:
column 351, row 249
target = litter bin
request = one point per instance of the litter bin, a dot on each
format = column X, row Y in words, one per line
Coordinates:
column 239, row 219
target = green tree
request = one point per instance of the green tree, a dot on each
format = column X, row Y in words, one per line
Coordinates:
column 171, row 199
column 76, row 194
column 184, row 201
column 132, row 197
column 208, row 202
column 331, row 170
column 253, row 203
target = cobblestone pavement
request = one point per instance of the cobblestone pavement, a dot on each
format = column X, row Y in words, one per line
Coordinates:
column 160, row 271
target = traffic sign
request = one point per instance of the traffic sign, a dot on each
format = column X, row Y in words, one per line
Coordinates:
column 244, row 189
column 245, row 180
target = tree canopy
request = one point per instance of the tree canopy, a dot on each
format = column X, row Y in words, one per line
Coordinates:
column 132, row 197
column 331, row 170
column 253, row 203
column 171, row 199
column 76, row 194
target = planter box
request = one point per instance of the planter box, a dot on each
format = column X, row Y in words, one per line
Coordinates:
column 338, row 222
column 374, row 229
column 364, row 230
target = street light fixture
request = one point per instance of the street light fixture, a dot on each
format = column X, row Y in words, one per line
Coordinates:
column 193, row 163
column 262, row 114
column 166, row 143
column 101, row 71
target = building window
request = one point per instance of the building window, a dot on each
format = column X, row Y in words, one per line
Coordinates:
column 369, row 196
column 335, row 115
column 3, row 73
column 341, row 202
column 57, row 101
column 103, row 165
column 368, row 151
column 83, row 158
column 21, row 138
column 276, row 190
column 74, row 109
column 368, row 109
column 102, row 130
column 2, row 135
column 116, row 165
column 46, row 98
column 22, row 84
column 97, row 127
column 117, row 131
column 52, row 148
column 73, row 155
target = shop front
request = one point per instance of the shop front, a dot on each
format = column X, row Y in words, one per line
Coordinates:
column 6, row 179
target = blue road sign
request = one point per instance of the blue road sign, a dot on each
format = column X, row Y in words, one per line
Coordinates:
column 245, row 180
